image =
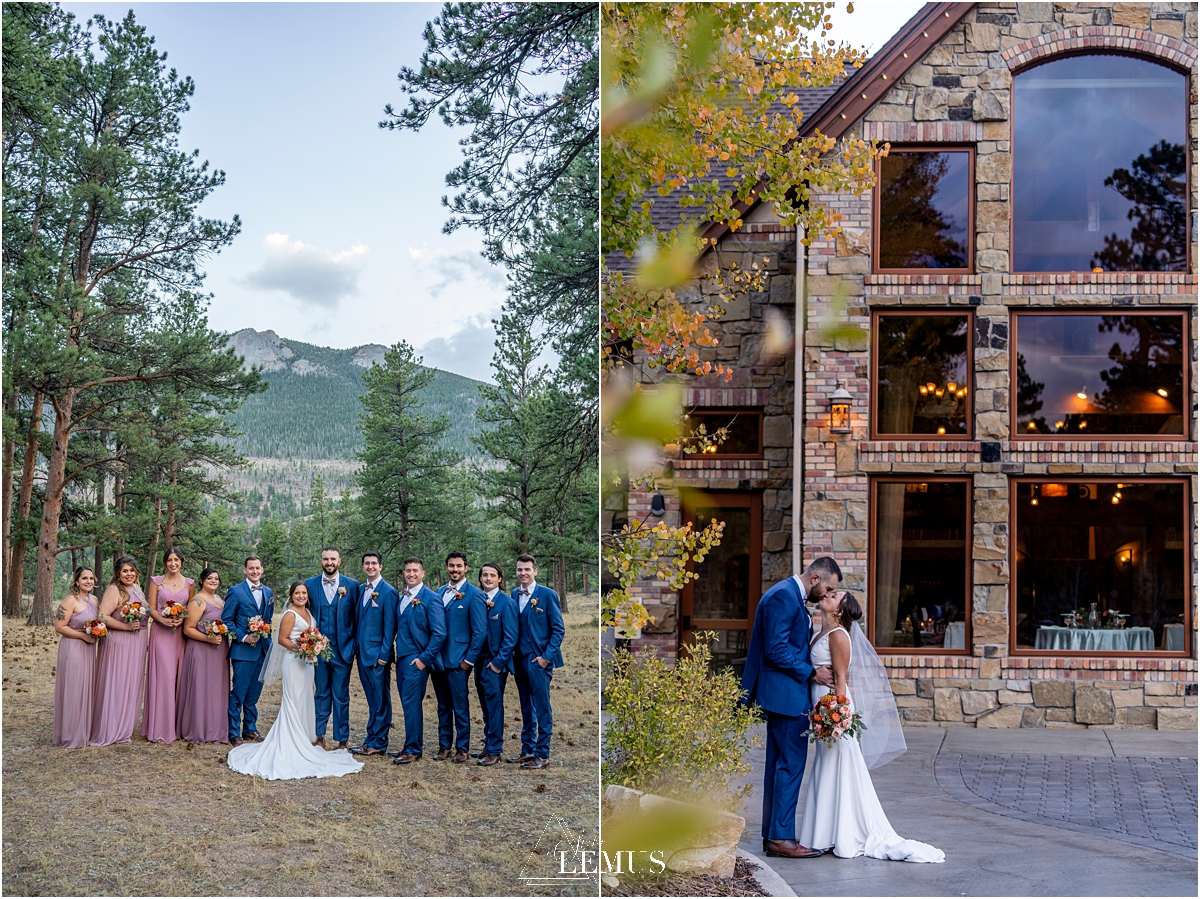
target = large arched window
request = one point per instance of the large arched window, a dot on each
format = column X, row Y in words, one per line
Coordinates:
column 1099, row 166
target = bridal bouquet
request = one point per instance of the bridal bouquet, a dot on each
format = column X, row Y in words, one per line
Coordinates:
column 215, row 628
column 313, row 645
column 259, row 628
column 95, row 627
column 134, row 611
column 174, row 610
column 831, row 718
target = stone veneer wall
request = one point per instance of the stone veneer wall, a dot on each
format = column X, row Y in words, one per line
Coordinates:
column 958, row 92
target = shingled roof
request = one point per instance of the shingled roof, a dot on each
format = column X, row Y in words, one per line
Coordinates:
column 833, row 109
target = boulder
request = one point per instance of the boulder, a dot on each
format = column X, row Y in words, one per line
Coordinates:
column 716, row 861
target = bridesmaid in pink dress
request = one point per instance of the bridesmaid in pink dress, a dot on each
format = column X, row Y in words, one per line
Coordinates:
column 202, row 711
column 75, row 672
column 166, row 649
column 120, row 661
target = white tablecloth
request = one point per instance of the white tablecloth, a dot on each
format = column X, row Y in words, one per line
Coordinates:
column 1173, row 637
column 1133, row 639
column 956, row 636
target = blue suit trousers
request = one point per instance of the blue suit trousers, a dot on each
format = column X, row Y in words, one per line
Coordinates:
column 787, row 754
column 537, row 720
column 376, row 683
column 243, row 696
column 490, row 687
column 333, row 695
column 411, row 682
column 454, row 712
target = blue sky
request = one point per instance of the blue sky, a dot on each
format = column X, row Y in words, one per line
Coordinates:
column 341, row 239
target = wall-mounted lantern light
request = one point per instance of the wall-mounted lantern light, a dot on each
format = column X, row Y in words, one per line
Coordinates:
column 839, row 410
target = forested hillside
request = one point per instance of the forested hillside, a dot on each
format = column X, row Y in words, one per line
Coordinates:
column 311, row 408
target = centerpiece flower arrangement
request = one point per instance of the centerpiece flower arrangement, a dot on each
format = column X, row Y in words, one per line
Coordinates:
column 831, row 719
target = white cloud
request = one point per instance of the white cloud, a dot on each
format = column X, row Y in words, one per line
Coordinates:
column 468, row 351
column 308, row 274
column 450, row 267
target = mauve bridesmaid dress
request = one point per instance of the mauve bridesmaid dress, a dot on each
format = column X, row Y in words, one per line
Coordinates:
column 164, row 662
column 75, row 683
column 120, row 670
column 202, row 710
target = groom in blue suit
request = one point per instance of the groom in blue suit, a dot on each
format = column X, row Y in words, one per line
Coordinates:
column 331, row 597
column 540, row 632
column 778, row 668
column 249, row 599
column 465, row 611
column 374, row 623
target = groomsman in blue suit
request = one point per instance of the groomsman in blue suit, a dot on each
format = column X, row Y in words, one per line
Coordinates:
column 249, row 599
column 420, row 629
column 374, row 623
column 466, row 625
column 495, row 661
column 541, row 632
column 331, row 597
column 778, row 668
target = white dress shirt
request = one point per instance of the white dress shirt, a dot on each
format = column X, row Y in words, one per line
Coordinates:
column 525, row 593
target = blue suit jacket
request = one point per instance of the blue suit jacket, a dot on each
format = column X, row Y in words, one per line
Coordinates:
column 466, row 626
column 374, row 624
column 335, row 621
column 778, row 663
column 503, row 630
column 541, row 626
column 421, row 629
column 239, row 609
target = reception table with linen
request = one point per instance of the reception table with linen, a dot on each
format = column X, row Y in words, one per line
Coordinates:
column 1132, row 639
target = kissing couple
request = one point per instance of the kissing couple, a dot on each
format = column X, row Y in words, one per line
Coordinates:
column 788, row 670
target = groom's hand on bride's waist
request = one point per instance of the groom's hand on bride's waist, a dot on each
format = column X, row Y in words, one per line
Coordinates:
column 823, row 676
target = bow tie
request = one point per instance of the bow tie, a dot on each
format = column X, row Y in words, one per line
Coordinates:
column 332, row 581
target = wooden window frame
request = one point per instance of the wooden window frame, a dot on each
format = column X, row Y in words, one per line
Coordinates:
column 1013, row 331
column 1014, row 485
column 1012, row 143
column 730, row 411
column 877, row 194
column 873, row 394
column 968, row 480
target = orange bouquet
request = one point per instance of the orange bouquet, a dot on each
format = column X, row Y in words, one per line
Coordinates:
column 216, row 628
column 174, row 611
column 95, row 627
column 313, row 645
column 832, row 718
column 259, row 628
column 134, row 611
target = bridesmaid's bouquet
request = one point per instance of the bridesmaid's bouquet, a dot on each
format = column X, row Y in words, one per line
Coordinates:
column 95, row 627
column 831, row 718
column 313, row 645
column 215, row 628
column 174, row 611
column 259, row 628
column 134, row 611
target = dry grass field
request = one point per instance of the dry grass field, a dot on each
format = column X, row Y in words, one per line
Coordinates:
column 148, row 819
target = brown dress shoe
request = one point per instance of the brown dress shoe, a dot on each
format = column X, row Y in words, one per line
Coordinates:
column 478, row 755
column 405, row 759
column 790, row 849
column 535, row 763
column 320, row 741
column 518, row 759
column 252, row 737
column 442, row 755
column 233, row 743
column 343, row 744
column 363, row 750
column 488, row 760
column 460, row 757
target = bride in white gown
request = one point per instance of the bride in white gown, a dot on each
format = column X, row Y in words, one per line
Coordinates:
column 288, row 752
column 842, row 810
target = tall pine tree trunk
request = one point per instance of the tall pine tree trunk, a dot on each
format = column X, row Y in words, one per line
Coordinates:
column 56, row 474
column 152, row 553
column 6, row 486
column 169, row 530
column 15, row 578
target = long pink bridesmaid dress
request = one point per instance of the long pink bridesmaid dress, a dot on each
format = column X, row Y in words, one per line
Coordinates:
column 202, row 715
column 75, row 682
column 164, row 662
column 120, row 669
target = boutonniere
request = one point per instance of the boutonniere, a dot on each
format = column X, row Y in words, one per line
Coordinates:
column 416, row 601
column 457, row 595
column 341, row 591
column 374, row 594
column 490, row 603
column 533, row 602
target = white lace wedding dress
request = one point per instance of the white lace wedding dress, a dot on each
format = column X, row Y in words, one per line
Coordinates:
column 287, row 752
column 842, row 810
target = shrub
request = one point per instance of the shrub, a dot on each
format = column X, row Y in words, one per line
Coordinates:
column 677, row 731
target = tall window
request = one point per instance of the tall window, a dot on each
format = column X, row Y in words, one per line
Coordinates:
column 1091, row 375
column 921, row 378
column 1099, row 166
column 920, row 590
column 924, row 210
column 1101, row 566
column 727, row 433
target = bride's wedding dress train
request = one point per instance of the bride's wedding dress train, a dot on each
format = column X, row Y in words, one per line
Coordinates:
column 287, row 752
column 842, row 810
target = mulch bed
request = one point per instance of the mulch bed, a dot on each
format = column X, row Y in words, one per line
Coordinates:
column 669, row 883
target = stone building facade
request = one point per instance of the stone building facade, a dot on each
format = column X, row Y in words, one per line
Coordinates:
column 945, row 81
